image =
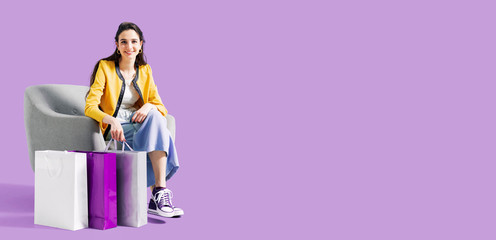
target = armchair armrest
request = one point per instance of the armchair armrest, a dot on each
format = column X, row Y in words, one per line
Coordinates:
column 171, row 125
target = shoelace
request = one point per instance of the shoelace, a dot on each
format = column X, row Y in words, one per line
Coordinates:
column 164, row 198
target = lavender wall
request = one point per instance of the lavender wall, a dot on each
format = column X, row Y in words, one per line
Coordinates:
column 295, row 119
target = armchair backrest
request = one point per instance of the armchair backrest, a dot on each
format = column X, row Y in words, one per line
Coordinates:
column 65, row 99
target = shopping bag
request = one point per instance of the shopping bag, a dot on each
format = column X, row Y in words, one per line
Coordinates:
column 102, row 189
column 132, row 208
column 60, row 190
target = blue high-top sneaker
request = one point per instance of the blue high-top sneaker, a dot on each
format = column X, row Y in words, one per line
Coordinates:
column 161, row 204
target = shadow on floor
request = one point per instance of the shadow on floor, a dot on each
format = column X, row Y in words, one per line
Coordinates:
column 16, row 198
column 16, row 205
column 155, row 220
column 26, row 221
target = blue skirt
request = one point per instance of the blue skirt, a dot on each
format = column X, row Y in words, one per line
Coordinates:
column 149, row 136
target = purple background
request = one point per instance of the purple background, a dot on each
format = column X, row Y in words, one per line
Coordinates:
column 342, row 120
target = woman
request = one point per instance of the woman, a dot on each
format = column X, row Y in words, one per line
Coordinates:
column 124, row 99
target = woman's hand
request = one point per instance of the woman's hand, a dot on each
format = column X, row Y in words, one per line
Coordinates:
column 140, row 115
column 117, row 131
column 115, row 128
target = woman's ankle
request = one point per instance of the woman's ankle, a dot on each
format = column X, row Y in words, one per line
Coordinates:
column 158, row 187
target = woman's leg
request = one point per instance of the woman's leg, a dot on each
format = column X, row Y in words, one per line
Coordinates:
column 159, row 164
column 154, row 138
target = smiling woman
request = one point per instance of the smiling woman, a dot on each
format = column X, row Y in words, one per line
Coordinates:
column 129, row 44
column 124, row 99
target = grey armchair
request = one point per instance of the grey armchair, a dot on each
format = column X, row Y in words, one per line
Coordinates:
column 54, row 119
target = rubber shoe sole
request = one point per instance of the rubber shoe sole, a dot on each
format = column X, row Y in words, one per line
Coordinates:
column 178, row 212
column 161, row 213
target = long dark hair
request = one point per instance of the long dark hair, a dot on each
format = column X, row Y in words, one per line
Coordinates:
column 140, row 58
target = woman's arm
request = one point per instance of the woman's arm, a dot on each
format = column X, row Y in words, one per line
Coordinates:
column 92, row 110
column 154, row 97
column 95, row 95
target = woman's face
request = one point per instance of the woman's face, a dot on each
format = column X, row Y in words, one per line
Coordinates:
column 129, row 44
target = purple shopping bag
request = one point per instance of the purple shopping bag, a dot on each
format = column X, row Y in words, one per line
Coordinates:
column 102, row 189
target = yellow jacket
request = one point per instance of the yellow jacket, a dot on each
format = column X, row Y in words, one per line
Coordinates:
column 106, row 93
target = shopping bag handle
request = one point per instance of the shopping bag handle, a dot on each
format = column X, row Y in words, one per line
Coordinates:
column 115, row 145
column 54, row 166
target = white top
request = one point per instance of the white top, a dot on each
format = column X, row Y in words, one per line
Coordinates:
column 128, row 100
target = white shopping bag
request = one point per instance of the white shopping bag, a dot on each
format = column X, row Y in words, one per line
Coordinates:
column 132, row 206
column 60, row 190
